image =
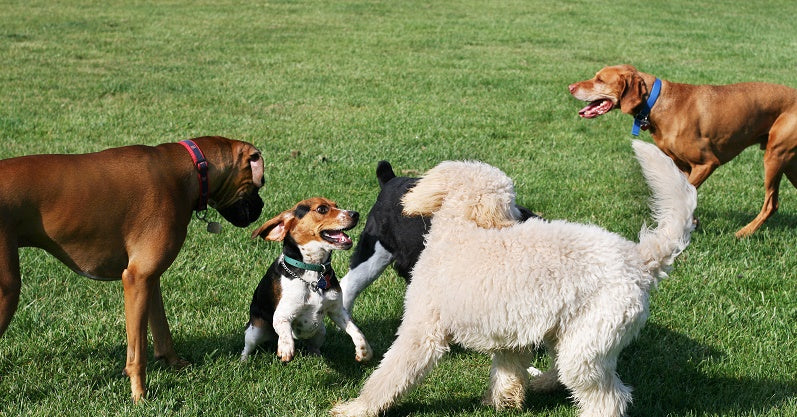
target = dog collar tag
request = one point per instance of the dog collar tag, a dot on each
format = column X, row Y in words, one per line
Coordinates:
column 214, row 227
column 322, row 283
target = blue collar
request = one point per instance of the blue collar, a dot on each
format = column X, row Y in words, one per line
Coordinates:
column 641, row 119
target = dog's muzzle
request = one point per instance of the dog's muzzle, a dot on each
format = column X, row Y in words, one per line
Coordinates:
column 244, row 211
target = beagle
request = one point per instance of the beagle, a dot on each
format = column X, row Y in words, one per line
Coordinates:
column 300, row 287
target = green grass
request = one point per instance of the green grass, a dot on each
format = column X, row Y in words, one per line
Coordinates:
column 326, row 89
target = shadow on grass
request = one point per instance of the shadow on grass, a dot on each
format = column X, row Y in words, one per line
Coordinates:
column 782, row 220
column 664, row 368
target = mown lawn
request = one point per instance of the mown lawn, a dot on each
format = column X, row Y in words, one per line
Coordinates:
column 327, row 89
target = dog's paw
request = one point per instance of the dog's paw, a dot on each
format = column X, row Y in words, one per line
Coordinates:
column 179, row 364
column 363, row 353
column 354, row 408
column 173, row 361
column 544, row 381
column 285, row 350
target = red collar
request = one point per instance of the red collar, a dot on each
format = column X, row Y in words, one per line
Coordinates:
column 202, row 172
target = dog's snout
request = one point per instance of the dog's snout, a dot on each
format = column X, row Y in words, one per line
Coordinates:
column 572, row 87
column 355, row 216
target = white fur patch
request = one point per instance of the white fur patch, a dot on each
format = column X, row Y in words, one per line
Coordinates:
column 364, row 274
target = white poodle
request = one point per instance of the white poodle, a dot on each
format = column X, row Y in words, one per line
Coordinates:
column 503, row 288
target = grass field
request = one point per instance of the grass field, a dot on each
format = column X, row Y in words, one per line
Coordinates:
column 326, row 89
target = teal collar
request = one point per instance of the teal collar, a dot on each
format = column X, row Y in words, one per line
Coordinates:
column 324, row 270
column 310, row 267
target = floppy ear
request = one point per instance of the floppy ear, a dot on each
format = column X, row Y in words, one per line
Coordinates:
column 491, row 211
column 276, row 228
column 427, row 195
column 256, row 163
column 633, row 94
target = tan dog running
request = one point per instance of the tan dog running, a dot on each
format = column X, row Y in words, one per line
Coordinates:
column 123, row 213
column 704, row 126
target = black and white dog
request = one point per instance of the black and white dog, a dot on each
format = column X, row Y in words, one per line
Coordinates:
column 389, row 236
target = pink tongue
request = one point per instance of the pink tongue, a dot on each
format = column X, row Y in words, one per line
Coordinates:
column 595, row 109
column 339, row 237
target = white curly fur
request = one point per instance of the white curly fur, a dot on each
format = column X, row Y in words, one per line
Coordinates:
column 504, row 288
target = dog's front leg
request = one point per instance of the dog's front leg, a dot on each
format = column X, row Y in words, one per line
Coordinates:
column 138, row 288
column 286, row 311
column 10, row 281
column 416, row 350
column 508, row 379
column 342, row 319
column 161, row 335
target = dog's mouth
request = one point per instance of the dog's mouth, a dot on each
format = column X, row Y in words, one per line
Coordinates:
column 337, row 237
column 596, row 108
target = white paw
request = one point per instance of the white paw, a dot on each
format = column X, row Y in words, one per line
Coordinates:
column 544, row 381
column 354, row 408
column 285, row 349
column 363, row 353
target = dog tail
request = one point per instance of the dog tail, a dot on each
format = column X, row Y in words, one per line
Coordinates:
column 384, row 173
column 673, row 201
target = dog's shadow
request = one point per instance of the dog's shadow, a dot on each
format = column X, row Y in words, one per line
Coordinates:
column 783, row 220
column 670, row 374
column 667, row 371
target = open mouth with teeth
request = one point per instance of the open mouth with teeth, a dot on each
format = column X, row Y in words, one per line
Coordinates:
column 596, row 108
column 337, row 238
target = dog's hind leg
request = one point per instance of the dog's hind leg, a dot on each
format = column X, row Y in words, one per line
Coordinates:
column 10, row 281
column 549, row 380
column 365, row 267
column 592, row 380
column 416, row 350
column 777, row 160
column 587, row 358
column 314, row 343
column 508, row 379
column 257, row 332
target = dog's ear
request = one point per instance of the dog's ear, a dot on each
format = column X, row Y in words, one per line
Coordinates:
column 634, row 92
column 427, row 195
column 276, row 228
column 491, row 211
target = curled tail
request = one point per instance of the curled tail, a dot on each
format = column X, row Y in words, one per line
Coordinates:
column 673, row 201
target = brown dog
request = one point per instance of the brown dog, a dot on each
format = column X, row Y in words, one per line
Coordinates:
column 704, row 126
column 123, row 213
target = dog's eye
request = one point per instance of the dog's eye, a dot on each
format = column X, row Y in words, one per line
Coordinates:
column 322, row 209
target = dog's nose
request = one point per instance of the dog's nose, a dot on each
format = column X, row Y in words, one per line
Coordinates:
column 354, row 215
column 572, row 88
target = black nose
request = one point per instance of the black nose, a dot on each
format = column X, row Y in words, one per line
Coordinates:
column 354, row 215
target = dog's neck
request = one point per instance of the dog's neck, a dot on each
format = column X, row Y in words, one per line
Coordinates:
column 643, row 112
column 311, row 266
column 305, row 253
